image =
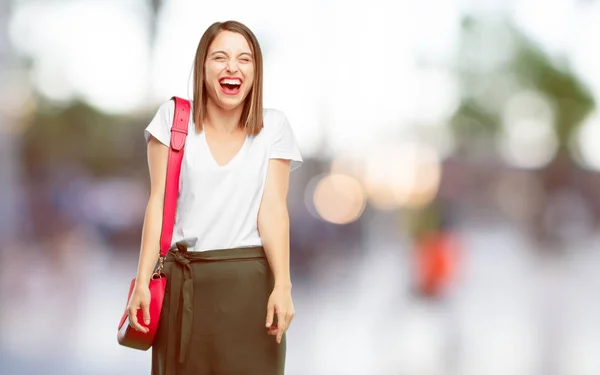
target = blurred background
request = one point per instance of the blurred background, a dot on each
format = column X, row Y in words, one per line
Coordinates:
column 445, row 221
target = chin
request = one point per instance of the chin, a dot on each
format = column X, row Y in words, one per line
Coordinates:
column 230, row 103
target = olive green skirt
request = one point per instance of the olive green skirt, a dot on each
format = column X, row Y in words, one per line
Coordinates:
column 214, row 313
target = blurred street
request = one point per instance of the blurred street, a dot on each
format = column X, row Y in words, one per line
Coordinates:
column 513, row 314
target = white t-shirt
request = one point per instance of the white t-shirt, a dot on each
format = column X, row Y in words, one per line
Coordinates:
column 217, row 207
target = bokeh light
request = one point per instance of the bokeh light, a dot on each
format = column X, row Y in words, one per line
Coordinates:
column 585, row 144
column 339, row 199
column 527, row 139
column 407, row 174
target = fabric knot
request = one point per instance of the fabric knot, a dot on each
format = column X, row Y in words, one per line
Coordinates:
column 181, row 259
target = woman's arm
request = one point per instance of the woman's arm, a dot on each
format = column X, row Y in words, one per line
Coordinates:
column 273, row 226
column 157, row 162
column 157, row 165
column 274, row 222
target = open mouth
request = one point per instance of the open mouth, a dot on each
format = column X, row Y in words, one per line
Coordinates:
column 231, row 86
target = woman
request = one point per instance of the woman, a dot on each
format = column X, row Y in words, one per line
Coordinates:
column 232, row 226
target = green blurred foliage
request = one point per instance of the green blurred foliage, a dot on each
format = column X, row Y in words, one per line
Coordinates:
column 528, row 65
column 81, row 135
column 495, row 61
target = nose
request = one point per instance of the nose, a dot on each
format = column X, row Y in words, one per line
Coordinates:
column 232, row 66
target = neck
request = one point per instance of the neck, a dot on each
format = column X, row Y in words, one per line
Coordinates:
column 222, row 120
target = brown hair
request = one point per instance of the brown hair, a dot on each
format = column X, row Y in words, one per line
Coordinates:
column 252, row 114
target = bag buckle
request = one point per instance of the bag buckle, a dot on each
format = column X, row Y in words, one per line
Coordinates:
column 158, row 272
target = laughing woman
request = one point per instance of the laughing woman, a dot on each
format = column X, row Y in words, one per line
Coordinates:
column 232, row 225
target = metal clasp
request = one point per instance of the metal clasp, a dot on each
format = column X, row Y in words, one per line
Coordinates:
column 159, row 268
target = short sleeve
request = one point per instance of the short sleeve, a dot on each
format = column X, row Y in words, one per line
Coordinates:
column 160, row 126
column 284, row 144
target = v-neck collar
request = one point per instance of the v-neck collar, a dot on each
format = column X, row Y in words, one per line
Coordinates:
column 213, row 161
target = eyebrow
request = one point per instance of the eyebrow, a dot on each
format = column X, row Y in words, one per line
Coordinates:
column 225, row 53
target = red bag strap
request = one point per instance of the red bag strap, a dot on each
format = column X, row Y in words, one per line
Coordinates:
column 179, row 131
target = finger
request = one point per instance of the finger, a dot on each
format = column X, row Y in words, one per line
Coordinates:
column 270, row 315
column 133, row 319
column 282, row 320
column 146, row 312
column 280, row 333
column 282, row 325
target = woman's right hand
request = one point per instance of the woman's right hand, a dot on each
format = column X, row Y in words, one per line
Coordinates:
column 140, row 299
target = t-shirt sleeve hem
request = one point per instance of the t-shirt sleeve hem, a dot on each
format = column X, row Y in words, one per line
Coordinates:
column 295, row 160
column 160, row 126
column 160, row 137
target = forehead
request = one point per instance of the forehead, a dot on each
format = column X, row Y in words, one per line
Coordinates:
column 230, row 42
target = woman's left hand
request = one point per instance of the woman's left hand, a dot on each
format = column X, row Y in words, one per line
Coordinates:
column 280, row 303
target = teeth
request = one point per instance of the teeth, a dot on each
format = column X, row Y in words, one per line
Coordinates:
column 231, row 81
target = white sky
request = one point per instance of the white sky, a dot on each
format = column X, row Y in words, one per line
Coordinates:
column 349, row 65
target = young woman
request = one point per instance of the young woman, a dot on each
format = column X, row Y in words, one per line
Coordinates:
column 228, row 301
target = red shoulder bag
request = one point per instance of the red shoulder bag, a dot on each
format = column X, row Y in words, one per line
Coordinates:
column 127, row 336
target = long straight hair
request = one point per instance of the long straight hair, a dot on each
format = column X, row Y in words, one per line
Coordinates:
column 252, row 114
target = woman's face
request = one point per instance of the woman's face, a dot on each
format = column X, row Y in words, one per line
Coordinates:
column 229, row 70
